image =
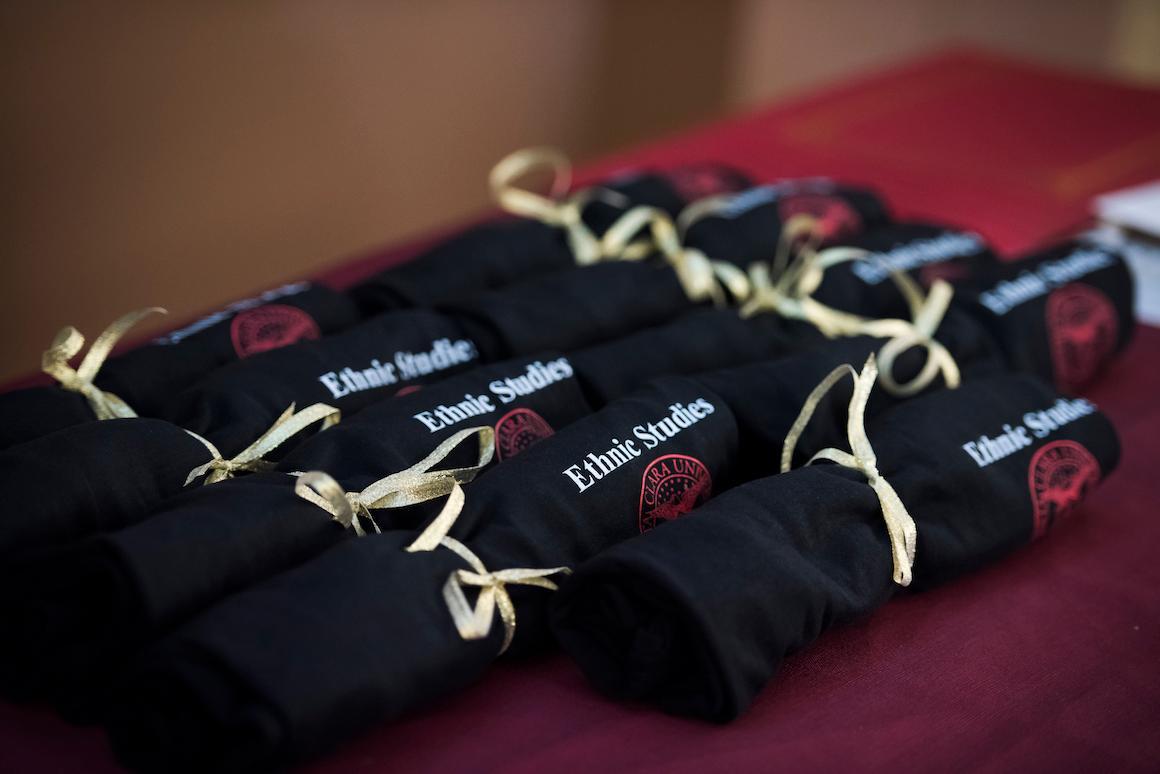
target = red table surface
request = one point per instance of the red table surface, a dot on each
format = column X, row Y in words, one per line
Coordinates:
column 1049, row 660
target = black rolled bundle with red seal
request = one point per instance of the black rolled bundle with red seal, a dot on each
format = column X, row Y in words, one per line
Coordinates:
column 923, row 251
column 697, row 616
column 501, row 252
column 1062, row 313
column 747, row 226
column 396, row 350
column 144, row 378
column 365, row 631
column 756, row 225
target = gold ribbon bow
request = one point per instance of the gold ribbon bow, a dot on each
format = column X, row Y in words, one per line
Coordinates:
column 899, row 525
column 787, row 289
column 474, row 623
column 69, row 342
column 250, row 459
column 554, row 209
column 416, row 484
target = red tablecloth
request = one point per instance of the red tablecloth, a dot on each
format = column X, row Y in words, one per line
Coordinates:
column 1047, row 661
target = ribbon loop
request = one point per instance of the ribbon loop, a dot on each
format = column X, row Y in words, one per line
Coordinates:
column 416, row 484
column 69, row 342
column 900, row 526
column 555, row 209
column 475, row 622
column 701, row 278
column 346, row 508
column 250, row 459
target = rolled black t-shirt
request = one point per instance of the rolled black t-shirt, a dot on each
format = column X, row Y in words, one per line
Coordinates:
column 747, row 226
column 924, row 251
column 501, row 252
column 697, row 615
column 1062, row 313
column 397, row 350
column 89, row 478
column 145, row 377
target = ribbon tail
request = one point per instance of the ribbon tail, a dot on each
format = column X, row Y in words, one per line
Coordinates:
column 900, row 527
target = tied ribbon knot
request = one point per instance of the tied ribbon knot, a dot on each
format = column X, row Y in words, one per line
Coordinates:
column 900, row 526
column 251, row 459
column 555, row 209
column 69, row 342
column 702, row 278
column 474, row 623
column 416, row 484
column 787, row 289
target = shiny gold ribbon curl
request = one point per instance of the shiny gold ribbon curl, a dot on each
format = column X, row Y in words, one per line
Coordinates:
column 556, row 209
column 69, row 342
column 416, row 484
column 786, row 288
column 900, row 527
column 250, row 459
column 474, row 623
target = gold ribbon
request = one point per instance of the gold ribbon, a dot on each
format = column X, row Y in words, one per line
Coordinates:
column 416, row 484
column 787, row 289
column 555, row 209
column 900, row 526
column 701, row 278
column 250, row 459
column 69, row 342
column 474, row 623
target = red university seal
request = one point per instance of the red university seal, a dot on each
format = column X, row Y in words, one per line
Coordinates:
column 698, row 181
column 1081, row 329
column 1059, row 476
column 270, row 326
column 517, row 430
column 672, row 485
column 836, row 218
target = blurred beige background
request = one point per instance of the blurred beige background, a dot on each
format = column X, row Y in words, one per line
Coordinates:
column 186, row 154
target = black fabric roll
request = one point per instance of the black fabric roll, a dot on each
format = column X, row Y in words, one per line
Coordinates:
column 697, row 616
column 90, row 478
column 146, row 377
column 1062, row 313
column 748, row 225
column 209, row 696
column 372, row 360
column 396, row 350
column 501, row 252
column 703, row 340
column 922, row 250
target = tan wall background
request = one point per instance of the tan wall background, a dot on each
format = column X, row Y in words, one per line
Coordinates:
column 186, row 154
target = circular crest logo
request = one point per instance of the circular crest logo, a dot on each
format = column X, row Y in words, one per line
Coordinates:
column 698, row 181
column 1059, row 476
column 517, row 430
column 270, row 326
column 1081, row 328
column 672, row 485
column 836, row 219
